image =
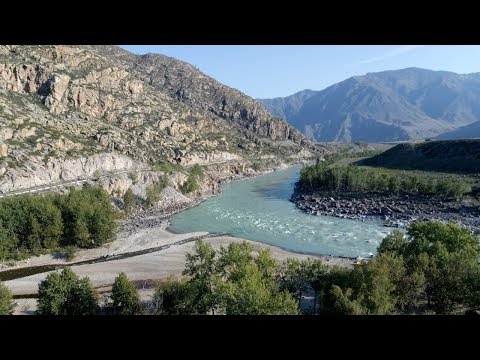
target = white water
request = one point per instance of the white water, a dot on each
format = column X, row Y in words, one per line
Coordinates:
column 259, row 209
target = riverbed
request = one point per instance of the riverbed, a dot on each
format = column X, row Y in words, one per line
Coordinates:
column 260, row 209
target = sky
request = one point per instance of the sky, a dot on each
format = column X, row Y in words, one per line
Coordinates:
column 268, row 71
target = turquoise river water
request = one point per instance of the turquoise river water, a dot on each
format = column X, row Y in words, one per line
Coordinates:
column 259, row 209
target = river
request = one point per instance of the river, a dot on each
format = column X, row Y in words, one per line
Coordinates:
column 259, row 209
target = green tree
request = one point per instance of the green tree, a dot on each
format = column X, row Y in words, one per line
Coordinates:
column 174, row 297
column 342, row 302
column 128, row 201
column 53, row 292
column 124, row 298
column 393, row 242
column 254, row 294
column 65, row 294
column 6, row 300
column 201, row 267
column 81, row 299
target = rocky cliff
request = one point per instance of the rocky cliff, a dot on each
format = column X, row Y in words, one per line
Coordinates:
column 66, row 111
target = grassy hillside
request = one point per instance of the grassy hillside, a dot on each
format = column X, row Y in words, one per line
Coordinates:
column 448, row 156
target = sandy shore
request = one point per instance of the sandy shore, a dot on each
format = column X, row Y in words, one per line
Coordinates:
column 156, row 265
column 125, row 243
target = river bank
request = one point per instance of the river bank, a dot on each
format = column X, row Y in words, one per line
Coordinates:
column 395, row 211
column 144, row 229
column 156, row 265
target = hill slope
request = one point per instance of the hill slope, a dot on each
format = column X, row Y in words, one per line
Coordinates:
column 470, row 131
column 448, row 155
column 66, row 111
column 393, row 105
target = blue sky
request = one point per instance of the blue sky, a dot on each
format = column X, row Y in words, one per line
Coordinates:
column 266, row 71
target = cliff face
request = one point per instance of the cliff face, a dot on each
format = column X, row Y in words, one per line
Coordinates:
column 67, row 105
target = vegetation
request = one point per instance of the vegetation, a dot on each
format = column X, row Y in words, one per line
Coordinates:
column 358, row 179
column 128, row 201
column 230, row 281
column 124, row 297
column 82, row 218
column 190, row 185
column 256, row 166
column 165, row 167
column 434, row 266
column 133, row 176
column 6, row 300
column 154, row 191
column 197, row 171
column 96, row 175
column 66, row 294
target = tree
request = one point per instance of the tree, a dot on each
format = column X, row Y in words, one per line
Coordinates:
column 376, row 283
column 81, row 299
column 6, row 300
column 53, row 292
column 253, row 294
column 247, row 285
column 394, row 185
column 174, row 297
column 124, row 298
column 342, row 302
column 393, row 242
column 128, row 201
column 201, row 266
column 65, row 294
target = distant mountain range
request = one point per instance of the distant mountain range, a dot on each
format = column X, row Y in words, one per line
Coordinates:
column 392, row 105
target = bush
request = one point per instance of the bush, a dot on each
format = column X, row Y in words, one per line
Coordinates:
column 128, row 201
column 154, row 191
column 197, row 171
column 190, row 185
column 70, row 251
column 133, row 176
column 6, row 300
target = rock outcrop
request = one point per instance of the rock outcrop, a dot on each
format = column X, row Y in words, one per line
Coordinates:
column 68, row 111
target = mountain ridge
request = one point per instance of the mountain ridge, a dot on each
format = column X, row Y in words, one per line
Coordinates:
column 393, row 105
column 61, row 106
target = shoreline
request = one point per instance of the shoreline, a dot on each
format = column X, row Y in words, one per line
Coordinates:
column 143, row 231
column 157, row 264
column 394, row 211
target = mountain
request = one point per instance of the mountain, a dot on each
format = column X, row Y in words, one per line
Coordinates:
column 447, row 155
column 66, row 111
column 287, row 107
column 471, row 131
column 393, row 105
